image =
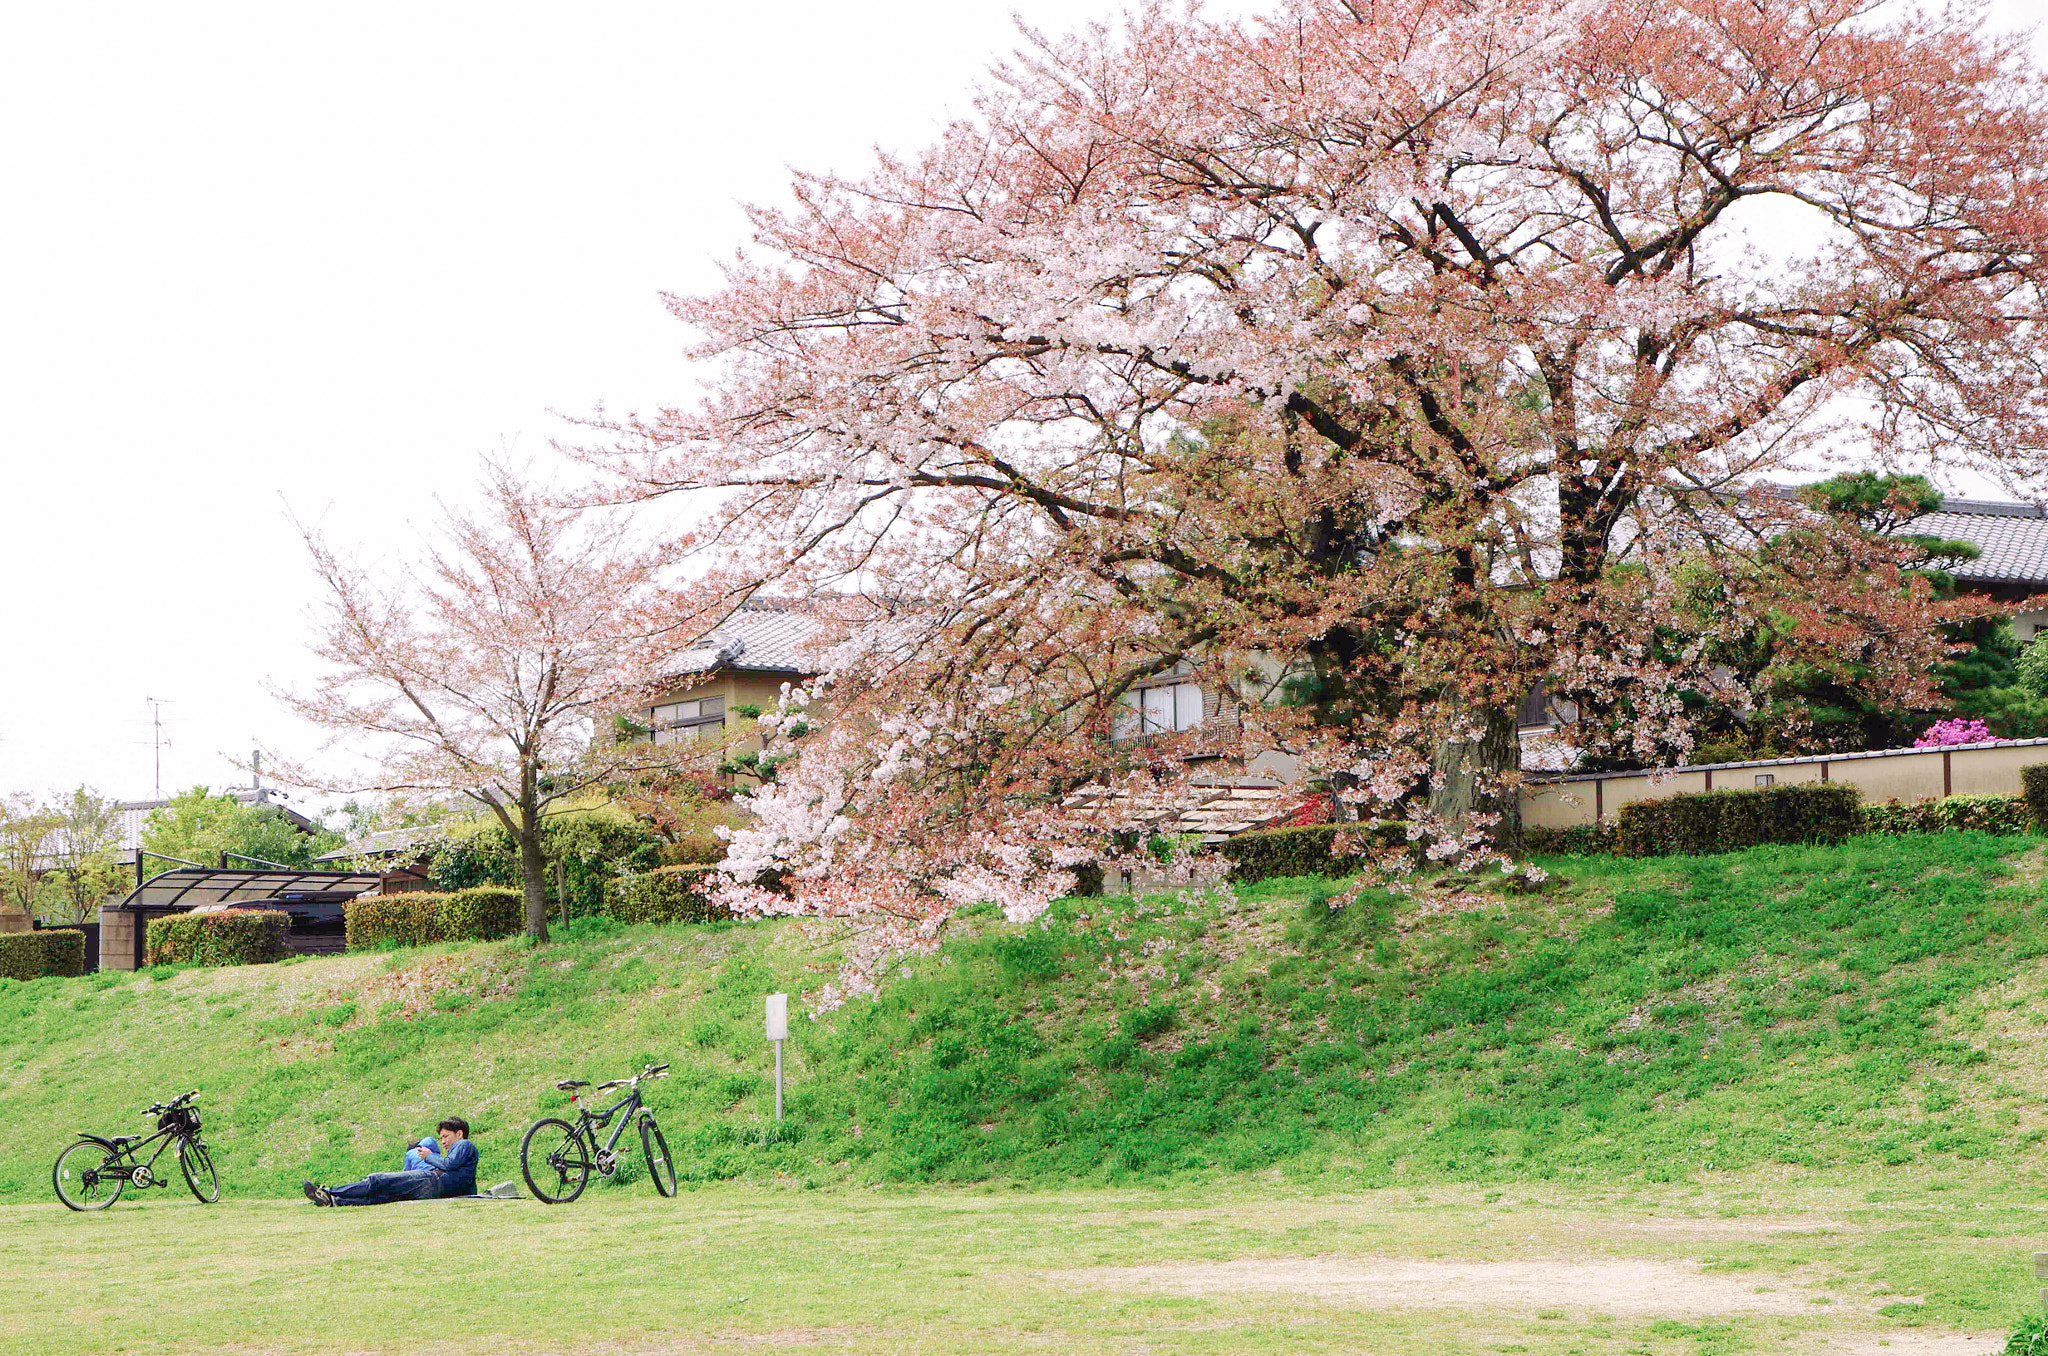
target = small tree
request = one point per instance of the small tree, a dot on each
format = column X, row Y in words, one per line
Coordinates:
column 486, row 671
column 25, row 829
column 83, row 870
column 197, row 826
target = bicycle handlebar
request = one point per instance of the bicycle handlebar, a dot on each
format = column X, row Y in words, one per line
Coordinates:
column 651, row 1071
column 182, row 1099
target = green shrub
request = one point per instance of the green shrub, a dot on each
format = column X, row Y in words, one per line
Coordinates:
column 218, row 937
column 1580, row 840
column 2034, row 781
column 669, row 894
column 412, row 918
column 482, row 914
column 31, row 955
column 2029, row 1337
column 1727, row 821
column 1991, row 814
column 1307, row 851
column 63, row 951
column 417, row 918
column 592, row 843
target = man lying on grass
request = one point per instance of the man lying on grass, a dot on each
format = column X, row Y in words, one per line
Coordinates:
column 452, row 1172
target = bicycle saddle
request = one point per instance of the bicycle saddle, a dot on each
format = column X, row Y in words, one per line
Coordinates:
column 125, row 1140
column 570, row 1084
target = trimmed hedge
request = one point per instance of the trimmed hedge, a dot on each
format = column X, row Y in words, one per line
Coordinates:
column 64, row 951
column 668, row 894
column 1991, row 814
column 2034, row 791
column 1310, row 850
column 32, row 955
column 419, row 917
column 1728, row 821
column 218, row 937
column 1577, row 840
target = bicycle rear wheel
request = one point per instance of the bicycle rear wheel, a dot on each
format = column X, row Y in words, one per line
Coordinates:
column 660, row 1166
column 554, row 1160
column 76, row 1176
column 197, row 1165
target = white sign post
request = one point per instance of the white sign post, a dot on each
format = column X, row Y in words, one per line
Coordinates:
column 778, row 1031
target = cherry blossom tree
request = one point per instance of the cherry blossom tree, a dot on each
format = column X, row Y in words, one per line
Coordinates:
column 1379, row 361
column 491, row 671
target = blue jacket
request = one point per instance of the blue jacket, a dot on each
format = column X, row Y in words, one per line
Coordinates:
column 454, row 1171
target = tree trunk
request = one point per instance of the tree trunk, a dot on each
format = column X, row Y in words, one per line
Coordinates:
column 533, row 874
column 1465, row 779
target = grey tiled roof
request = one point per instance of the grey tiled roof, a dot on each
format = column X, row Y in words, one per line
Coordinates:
column 2013, row 538
column 773, row 639
column 382, row 843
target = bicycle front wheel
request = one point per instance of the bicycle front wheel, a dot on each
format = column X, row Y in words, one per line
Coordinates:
column 555, row 1161
column 78, row 1178
column 197, row 1165
column 660, row 1166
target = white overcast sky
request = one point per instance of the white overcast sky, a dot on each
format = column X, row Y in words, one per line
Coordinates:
column 268, row 256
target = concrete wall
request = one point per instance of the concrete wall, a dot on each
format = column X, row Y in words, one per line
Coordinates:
column 1889, row 774
column 117, row 940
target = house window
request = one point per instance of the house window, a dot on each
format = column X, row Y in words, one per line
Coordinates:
column 1159, row 709
column 688, row 722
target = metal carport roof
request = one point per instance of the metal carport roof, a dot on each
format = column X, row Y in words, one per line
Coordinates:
column 189, row 887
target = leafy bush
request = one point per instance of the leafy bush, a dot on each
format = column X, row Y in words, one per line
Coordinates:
column 1731, row 751
column 219, row 937
column 1310, row 850
column 63, row 951
column 31, row 955
column 1581, row 840
column 2034, row 791
column 593, row 844
column 1991, row 814
column 1726, row 821
column 2029, row 1337
column 1954, row 731
column 482, row 914
column 417, row 918
column 669, row 894
column 409, row 919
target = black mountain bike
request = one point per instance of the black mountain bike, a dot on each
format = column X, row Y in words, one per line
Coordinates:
column 89, row 1175
column 556, row 1157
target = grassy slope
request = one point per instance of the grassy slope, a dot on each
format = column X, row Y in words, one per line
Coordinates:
column 1853, row 1007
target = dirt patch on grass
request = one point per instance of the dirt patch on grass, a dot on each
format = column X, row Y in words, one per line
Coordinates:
column 1737, row 1226
column 1621, row 1286
column 1920, row 1344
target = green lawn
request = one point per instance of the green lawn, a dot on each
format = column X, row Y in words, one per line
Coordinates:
column 1782, row 1100
column 1716, row 1269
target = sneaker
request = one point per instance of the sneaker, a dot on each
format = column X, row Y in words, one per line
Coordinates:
column 313, row 1192
column 322, row 1196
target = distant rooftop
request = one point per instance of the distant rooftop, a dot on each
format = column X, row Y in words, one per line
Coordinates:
column 769, row 637
column 2012, row 537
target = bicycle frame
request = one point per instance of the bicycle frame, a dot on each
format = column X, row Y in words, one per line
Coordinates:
column 589, row 1122
column 130, row 1151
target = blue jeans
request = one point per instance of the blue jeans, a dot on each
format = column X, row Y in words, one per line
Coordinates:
column 382, row 1188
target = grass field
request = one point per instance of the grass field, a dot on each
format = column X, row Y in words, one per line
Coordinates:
column 1710, row 1270
column 1787, row 1099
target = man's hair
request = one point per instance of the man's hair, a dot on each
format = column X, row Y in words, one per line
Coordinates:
column 457, row 1124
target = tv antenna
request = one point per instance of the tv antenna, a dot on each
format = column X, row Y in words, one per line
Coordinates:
column 157, row 741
